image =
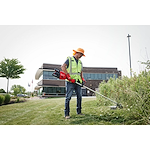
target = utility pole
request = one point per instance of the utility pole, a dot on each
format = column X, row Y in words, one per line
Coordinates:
column 129, row 54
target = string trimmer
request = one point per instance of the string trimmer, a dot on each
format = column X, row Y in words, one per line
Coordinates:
column 61, row 75
column 118, row 105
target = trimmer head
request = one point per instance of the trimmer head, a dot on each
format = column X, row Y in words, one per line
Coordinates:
column 119, row 105
column 115, row 107
column 56, row 73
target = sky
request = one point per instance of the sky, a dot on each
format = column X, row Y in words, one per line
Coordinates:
column 104, row 45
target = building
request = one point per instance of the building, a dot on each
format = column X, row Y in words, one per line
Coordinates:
column 51, row 86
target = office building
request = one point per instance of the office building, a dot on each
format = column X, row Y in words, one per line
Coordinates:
column 50, row 86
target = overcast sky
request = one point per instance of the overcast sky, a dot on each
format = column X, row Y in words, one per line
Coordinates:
column 104, row 45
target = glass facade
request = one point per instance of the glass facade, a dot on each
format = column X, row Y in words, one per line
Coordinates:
column 47, row 75
column 99, row 76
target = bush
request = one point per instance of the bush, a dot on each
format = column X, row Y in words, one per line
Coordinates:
column 133, row 93
column 7, row 99
column 2, row 98
column 2, row 91
column 18, row 100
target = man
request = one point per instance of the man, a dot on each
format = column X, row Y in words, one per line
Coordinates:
column 73, row 70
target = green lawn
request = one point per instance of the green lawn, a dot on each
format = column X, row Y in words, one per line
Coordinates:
column 51, row 112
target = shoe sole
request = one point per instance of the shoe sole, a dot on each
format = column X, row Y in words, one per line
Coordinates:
column 67, row 117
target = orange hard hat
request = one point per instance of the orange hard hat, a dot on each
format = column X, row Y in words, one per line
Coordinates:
column 80, row 50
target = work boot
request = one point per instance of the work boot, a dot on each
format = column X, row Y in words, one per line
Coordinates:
column 67, row 117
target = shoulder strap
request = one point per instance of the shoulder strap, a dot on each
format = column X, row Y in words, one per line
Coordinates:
column 81, row 64
column 70, row 64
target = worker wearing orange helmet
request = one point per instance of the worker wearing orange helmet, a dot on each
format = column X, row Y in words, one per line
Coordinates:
column 73, row 70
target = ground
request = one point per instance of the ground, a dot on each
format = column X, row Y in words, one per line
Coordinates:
column 51, row 112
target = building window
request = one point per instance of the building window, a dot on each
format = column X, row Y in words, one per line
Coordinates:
column 99, row 76
column 103, row 76
column 54, row 90
column 47, row 75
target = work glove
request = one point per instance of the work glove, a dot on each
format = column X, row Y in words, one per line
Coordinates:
column 83, row 81
column 69, row 78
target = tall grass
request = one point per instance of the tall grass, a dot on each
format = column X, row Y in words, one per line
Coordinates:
column 133, row 93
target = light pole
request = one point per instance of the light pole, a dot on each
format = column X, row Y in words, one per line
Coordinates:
column 129, row 54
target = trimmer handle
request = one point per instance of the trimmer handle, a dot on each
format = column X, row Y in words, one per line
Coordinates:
column 56, row 73
column 61, row 75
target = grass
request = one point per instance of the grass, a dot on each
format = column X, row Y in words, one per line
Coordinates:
column 51, row 112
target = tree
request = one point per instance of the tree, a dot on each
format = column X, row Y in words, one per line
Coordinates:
column 11, row 69
column 18, row 89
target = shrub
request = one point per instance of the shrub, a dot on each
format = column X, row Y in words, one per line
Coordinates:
column 133, row 93
column 7, row 99
column 2, row 91
column 18, row 100
column 2, row 98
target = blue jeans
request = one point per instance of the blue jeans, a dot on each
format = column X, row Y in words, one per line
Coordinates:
column 70, row 87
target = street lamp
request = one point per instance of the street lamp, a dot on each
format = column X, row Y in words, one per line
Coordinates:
column 129, row 54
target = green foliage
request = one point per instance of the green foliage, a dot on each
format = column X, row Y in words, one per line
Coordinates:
column 147, row 64
column 133, row 93
column 14, row 97
column 7, row 99
column 18, row 100
column 2, row 98
column 10, row 69
column 32, row 94
column 18, row 89
column 2, row 91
